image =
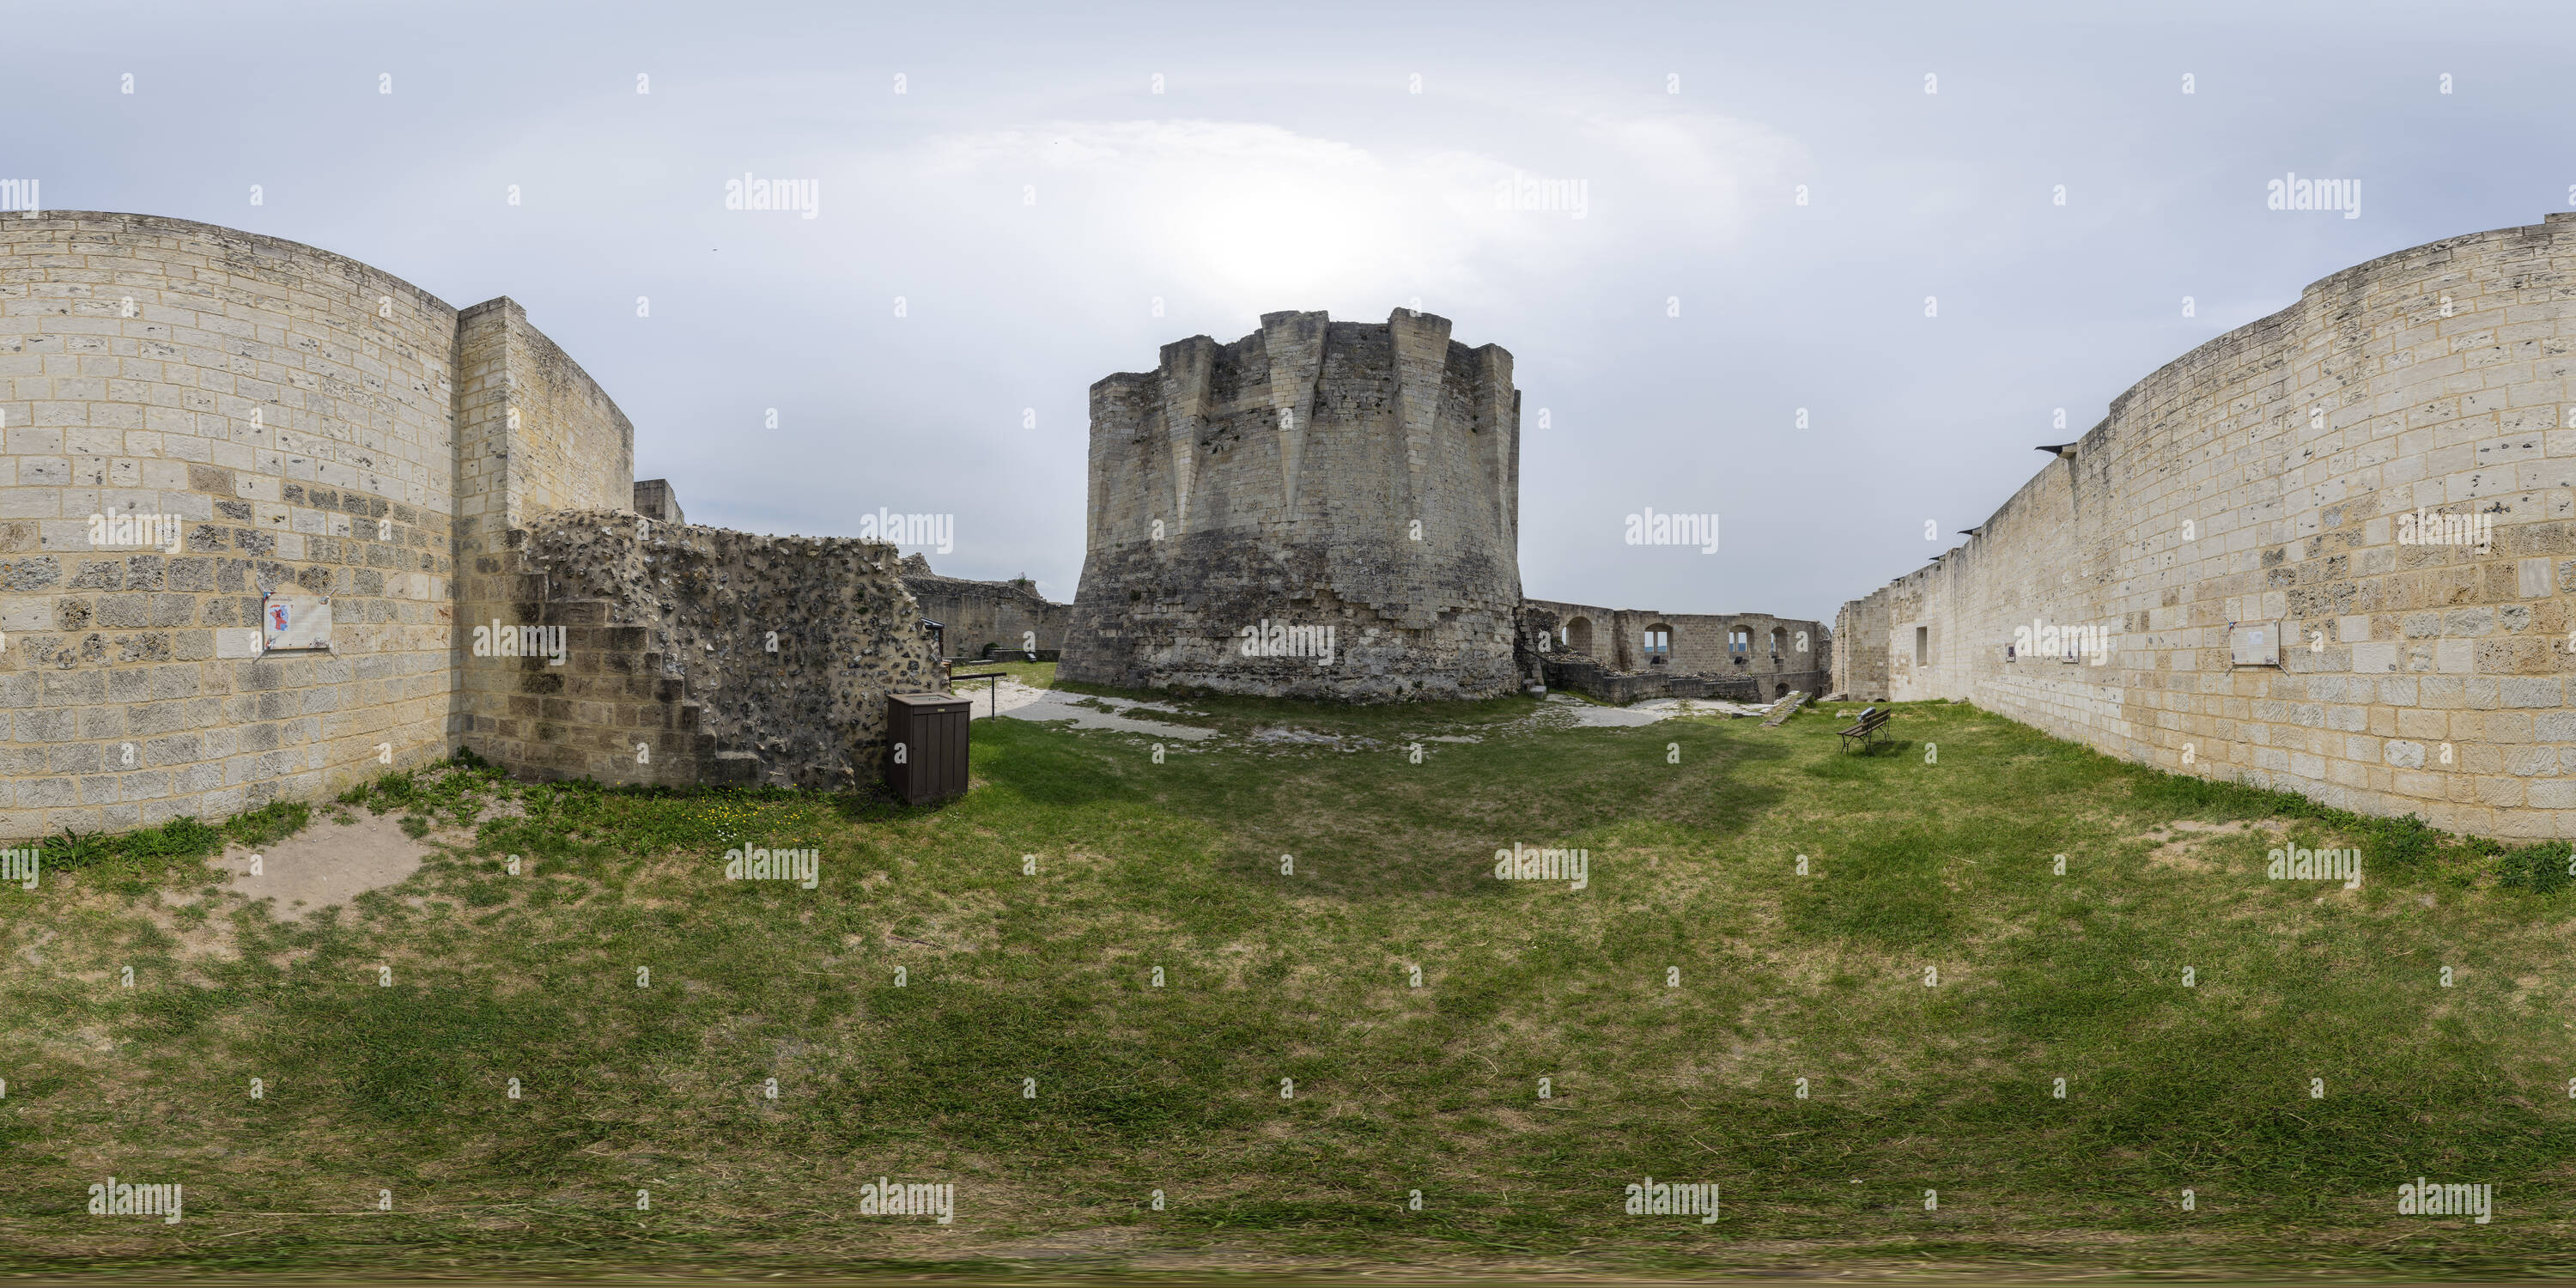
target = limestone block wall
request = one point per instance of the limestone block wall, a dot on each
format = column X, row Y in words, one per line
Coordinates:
column 288, row 409
column 194, row 416
column 2273, row 477
column 728, row 657
column 655, row 500
column 536, row 434
column 1315, row 473
column 1782, row 655
column 574, row 449
column 1007, row 615
column 1860, row 653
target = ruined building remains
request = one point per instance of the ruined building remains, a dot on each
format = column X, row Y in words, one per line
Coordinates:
column 988, row 618
column 1320, row 509
column 1621, row 655
column 2330, row 552
column 276, row 521
column 655, row 500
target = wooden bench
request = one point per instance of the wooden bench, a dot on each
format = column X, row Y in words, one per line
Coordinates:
column 1866, row 728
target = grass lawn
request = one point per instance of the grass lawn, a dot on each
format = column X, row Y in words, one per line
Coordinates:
column 1328, row 1037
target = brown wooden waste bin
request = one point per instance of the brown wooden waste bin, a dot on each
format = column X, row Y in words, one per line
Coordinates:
column 926, row 746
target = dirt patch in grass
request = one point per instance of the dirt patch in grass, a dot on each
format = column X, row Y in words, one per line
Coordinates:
column 327, row 865
column 2180, row 843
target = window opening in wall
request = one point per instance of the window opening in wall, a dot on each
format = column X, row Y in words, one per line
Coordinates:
column 1659, row 644
column 1578, row 637
column 1923, row 646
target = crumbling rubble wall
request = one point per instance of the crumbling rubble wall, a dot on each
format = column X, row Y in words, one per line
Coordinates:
column 697, row 655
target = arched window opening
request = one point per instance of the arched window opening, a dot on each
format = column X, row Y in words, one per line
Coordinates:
column 1578, row 637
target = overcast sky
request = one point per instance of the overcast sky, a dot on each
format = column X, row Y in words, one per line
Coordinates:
column 1030, row 196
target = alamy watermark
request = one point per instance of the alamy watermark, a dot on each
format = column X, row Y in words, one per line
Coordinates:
column 497, row 640
column 930, row 531
column 1659, row 1198
column 2433, row 528
column 882, row 1197
column 2296, row 864
column 113, row 1199
column 804, row 867
column 2046, row 640
column 2294, row 193
column 20, row 865
column 804, row 196
column 1526, row 192
column 135, row 532
column 1280, row 639
column 1652, row 529
column 1528, row 863
column 2429, row 1198
column 20, row 195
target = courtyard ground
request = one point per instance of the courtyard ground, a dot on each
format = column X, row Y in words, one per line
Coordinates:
column 1269, row 975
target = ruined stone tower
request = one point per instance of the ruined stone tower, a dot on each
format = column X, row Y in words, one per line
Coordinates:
column 1320, row 509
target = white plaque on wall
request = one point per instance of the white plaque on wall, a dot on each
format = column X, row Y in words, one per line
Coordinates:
column 292, row 617
column 2254, row 644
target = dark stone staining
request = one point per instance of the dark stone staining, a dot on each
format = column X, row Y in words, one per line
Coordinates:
column 147, row 646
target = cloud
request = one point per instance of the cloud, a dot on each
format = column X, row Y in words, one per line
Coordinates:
column 1252, row 217
column 1719, row 167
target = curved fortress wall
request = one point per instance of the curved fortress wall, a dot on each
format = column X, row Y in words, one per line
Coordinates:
column 1347, row 493
column 289, row 410
column 2239, row 542
column 253, row 413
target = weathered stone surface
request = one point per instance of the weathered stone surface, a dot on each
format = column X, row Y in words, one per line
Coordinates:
column 2272, row 476
column 987, row 616
column 270, row 403
column 1316, row 474
column 655, row 500
column 290, row 416
column 1745, row 656
column 729, row 657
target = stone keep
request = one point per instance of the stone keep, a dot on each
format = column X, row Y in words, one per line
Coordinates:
column 1315, row 474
